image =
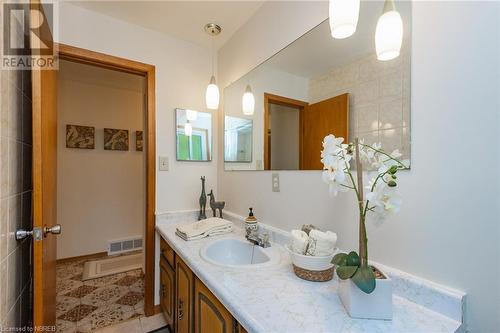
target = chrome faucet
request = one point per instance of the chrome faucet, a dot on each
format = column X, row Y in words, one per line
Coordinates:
column 261, row 240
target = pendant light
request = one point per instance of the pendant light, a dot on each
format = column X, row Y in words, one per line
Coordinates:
column 389, row 33
column 212, row 93
column 248, row 101
column 188, row 129
column 344, row 16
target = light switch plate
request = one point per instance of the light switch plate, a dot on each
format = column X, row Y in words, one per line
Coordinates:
column 276, row 182
column 163, row 161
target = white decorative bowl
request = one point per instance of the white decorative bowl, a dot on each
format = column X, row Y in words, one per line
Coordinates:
column 312, row 263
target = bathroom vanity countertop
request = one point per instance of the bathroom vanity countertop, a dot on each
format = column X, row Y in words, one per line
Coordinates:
column 273, row 299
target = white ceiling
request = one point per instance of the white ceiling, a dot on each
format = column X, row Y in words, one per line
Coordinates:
column 316, row 52
column 181, row 19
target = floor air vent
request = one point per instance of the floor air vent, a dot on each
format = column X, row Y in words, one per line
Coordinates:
column 124, row 245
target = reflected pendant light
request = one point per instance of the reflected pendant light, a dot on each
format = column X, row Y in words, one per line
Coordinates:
column 248, row 101
column 191, row 115
column 344, row 16
column 389, row 33
column 212, row 93
column 188, row 129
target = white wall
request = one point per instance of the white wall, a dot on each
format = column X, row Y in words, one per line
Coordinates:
column 182, row 73
column 448, row 228
column 101, row 193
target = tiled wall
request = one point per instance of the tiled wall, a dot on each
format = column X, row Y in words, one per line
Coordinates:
column 379, row 99
column 15, row 196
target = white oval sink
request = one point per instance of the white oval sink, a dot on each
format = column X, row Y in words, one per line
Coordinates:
column 233, row 252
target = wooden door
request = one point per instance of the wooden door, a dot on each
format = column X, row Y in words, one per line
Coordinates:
column 167, row 292
column 330, row 116
column 44, row 99
column 184, row 285
column 210, row 316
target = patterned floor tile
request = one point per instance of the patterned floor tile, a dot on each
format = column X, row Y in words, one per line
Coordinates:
column 127, row 280
column 131, row 298
column 107, row 280
column 84, row 306
column 138, row 286
column 105, row 295
column 110, row 315
column 78, row 313
column 63, row 326
column 65, row 286
column 81, row 291
column 65, row 303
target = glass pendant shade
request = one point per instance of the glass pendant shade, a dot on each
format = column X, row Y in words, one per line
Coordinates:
column 248, row 102
column 212, row 95
column 389, row 33
column 191, row 115
column 344, row 16
column 188, row 129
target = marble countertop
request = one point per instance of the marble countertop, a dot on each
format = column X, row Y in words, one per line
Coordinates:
column 273, row 299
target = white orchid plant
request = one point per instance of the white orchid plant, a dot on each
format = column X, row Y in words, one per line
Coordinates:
column 379, row 197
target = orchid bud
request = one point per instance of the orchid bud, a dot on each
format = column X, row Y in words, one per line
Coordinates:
column 392, row 183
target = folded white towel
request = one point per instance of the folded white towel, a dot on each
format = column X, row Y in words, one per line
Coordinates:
column 299, row 241
column 204, row 228
column 321, row 243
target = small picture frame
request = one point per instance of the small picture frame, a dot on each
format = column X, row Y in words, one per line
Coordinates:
column 81, row 137
column 115, row 139
column 138, row 141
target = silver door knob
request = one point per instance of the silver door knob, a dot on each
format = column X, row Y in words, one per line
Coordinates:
column 55, row 230
column 22, row 234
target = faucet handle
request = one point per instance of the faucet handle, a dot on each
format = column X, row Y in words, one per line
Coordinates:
column 265, row 237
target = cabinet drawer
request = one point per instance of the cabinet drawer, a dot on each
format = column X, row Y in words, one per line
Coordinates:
column 167, row 252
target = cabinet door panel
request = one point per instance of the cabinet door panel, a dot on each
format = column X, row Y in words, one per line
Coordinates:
column 167, row 292
column 209, row 313
column 184, row 297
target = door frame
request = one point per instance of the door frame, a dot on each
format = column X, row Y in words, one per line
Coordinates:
column 285, row 101
column 89, row 57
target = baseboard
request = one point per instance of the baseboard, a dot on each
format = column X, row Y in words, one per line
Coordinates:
column 86, row 257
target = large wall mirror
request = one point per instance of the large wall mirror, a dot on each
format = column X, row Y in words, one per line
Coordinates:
column 193, row 135
column 316, row 86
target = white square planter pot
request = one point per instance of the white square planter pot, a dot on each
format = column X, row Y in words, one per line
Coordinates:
column 377, row 305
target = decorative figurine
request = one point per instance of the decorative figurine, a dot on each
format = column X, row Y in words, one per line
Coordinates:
column 216, row 204
column 203, row 200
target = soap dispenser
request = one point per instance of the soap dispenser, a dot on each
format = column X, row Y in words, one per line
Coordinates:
column 251, row 223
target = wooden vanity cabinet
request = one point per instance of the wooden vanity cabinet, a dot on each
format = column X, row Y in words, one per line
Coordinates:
column 184, row 279
column 167, row 291
column 187, row 304
column 210, row 316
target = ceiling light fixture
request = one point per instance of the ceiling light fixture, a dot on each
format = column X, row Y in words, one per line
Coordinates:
column 344, row 16
column 389, row 33
column 212, row 93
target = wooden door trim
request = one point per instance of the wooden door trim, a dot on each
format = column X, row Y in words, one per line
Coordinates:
column 285, row 101
column 76, row 54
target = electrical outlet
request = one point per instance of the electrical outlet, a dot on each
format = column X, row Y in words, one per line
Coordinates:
column 163, row 161
column 276, row 182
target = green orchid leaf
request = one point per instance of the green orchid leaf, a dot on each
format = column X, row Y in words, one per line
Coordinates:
column 393, row 169
column 364, row 279
column 345, row 272
column 340, row 259
column 352, row 259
